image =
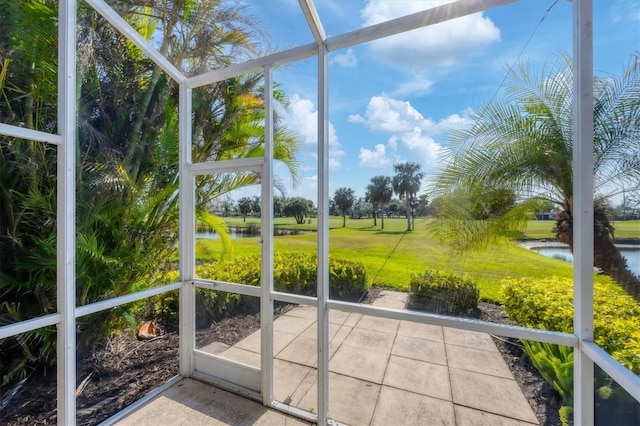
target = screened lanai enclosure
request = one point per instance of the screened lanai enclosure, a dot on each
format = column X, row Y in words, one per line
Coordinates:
column 129, row 128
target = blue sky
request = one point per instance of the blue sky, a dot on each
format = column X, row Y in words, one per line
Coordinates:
column 393, row 100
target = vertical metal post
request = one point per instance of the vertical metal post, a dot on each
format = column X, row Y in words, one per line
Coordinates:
column 186, row 236
column 323, row 236
column 66, row 214
column 583, row 207
column 266, row 301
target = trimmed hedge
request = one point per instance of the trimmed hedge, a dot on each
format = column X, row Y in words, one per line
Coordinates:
column 292, row 273
column 449, row 293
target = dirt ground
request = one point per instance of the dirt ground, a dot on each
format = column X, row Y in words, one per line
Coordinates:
column 122, row 369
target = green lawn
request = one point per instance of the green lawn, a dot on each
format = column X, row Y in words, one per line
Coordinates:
column 391, row 256
column 538, row 229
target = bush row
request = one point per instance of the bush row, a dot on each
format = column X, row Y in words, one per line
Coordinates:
column 292, row 273
column 548, row 304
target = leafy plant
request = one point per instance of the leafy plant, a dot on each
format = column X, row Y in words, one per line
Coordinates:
column 548, row 304
column 451, row 293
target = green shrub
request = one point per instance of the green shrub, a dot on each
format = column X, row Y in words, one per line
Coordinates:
column 450, row 292
column 548, row 304
column 292, row 273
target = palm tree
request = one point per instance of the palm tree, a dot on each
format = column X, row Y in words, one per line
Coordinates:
column 379, row 193
column 344, row 199
column 406, row 183
column 524, row 143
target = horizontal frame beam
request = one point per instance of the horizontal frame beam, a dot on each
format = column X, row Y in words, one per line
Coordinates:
column 294, row 298
column 123, row 300
column 273, row 60
column 414, row 21
column 459, row 323
column 227, row 166
column 248, row 290
column 34, row 135
column 28, row 325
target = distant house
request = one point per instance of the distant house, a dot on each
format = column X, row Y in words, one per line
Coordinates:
column 546, row 216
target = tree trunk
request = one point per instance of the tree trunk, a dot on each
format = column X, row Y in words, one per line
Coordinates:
column 344, row 220
column 382, row 219
column 606, row 255
column 374, row 217
column 408, row 213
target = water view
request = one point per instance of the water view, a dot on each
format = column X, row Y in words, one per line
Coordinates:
column 563, row 253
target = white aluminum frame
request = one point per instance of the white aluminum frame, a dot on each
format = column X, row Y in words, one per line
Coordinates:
column 587, row 353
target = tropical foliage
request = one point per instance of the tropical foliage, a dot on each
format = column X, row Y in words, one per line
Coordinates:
column 344, row 198
column 127, row 149
column 406, row 183
column 524, row 144
column 379, row 193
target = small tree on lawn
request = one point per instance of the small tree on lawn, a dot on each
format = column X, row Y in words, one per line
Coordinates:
column 379, row 193
column 244, row 205
column 298, row 208
column 344, row 199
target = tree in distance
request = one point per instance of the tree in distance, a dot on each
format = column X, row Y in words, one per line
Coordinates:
column 299, row 208
column 406, row 183
column 344, row 199
column 379, row 193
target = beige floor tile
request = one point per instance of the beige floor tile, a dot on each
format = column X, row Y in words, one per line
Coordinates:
column 419, row 349
column 287, row 378
column 466, row 416
column 360, row 363
column 421, row 331
column 469, row 339
column 419, row 377
column 190, row 402
column 337, row 317
column 399, row 407
column 291, row 324
column 487, row 362
column 303, row 350
column 352, row 319
column 391, row 299
column 280, row 340
column 489, row 393
column 351, row 401
column 214, row 348
column 304, row 311
column 383, row 325
column 374, row 341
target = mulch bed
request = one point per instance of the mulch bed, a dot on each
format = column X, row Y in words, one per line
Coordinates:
column 122, row 369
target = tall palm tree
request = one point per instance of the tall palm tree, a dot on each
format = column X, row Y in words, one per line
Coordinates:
column 379, row 193
column 344, row 199
column 406, row 183
column 524, row 143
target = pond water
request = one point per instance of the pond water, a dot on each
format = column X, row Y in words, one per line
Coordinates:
column 632, row 255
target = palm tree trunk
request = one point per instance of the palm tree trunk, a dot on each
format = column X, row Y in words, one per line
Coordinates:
column 408, row 213
column 344, row 220
column 374, row 217
column 382, row 219
column 606, row 255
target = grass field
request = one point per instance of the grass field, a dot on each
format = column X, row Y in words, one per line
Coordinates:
column 392, row 255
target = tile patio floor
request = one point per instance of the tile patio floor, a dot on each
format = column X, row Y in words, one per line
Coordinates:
column 381, row 372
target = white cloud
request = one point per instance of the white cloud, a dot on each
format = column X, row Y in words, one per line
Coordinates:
column 408, row 129
column 302, row 117
column 418, row 85
column 375, row 159
column 441, row 44
column 347, row 59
